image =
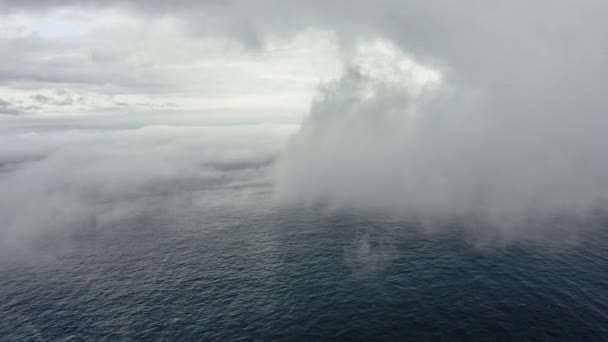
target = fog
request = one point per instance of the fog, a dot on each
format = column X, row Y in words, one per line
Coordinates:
column 516, row 152
column 492, row 113
column 55, row 183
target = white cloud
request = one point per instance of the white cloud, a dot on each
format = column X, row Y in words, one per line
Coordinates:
column 377, row 140
column 55, row 182
column 458, row 109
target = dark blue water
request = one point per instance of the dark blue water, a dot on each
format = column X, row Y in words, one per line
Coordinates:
column 300, row 275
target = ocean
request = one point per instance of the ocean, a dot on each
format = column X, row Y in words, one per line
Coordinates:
column 267, row 273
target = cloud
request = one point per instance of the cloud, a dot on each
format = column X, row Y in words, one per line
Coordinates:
column 10, row 108
column 444, row 154
column 151, row 60
column 60, row 97
column 549, row 45
column 512, row 130
column 56, row 182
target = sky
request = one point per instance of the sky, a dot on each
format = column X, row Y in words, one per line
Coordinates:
column 432, row 110
column 77, row 60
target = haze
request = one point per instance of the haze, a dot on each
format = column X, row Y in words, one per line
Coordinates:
column 434, row 111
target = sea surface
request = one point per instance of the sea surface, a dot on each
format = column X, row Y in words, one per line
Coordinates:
column 262, row 273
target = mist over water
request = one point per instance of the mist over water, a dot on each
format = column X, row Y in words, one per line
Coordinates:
column 230, row 272
column 512, row 156
column 56, row 183
column 494, row 114
column 448, row 181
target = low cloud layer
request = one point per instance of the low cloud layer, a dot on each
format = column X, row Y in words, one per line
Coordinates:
column 56, row 182
column 493, row 112
column 432, row 151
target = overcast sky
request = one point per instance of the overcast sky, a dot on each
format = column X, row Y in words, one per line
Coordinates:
column 59, row 58
column 211, row 56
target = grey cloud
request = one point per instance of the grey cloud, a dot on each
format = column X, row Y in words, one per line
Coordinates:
column 42, row 99
column 32, row 61
column 61, row 92
column 139, row 55
column 8, row 108
column 4, row 103
column 59, row 97
column 478, row 44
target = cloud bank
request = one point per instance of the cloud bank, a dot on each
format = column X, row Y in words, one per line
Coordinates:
column 444, row 110
column 511, row 156
column 59, row 182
